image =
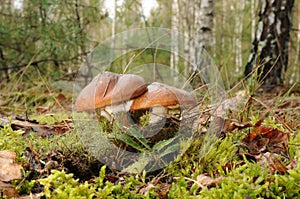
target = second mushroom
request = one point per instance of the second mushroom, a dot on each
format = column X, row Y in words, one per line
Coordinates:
column 162, row 100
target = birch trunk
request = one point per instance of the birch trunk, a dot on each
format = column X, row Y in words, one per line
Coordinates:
column 203, row 28
column 253, row 18
column 174, row 58
column 187, row 14
column 270, row 46
column 295, row 76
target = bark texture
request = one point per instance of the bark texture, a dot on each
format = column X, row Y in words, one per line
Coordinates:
column 270, row 46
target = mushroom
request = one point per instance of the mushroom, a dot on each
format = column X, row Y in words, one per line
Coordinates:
column 111, row 93
column 162, row 99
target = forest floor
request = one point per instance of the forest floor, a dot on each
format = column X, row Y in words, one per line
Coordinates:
column 256, row 152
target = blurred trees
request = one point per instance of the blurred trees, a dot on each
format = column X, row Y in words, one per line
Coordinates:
column 50, row 35
column 53, row 36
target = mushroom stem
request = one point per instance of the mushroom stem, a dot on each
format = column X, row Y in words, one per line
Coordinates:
column 109, row 112
column 157, row 114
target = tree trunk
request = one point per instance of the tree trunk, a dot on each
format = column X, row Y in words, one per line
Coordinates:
column 253, row 18
column 295, row 74
column 238, row 36
column 174, row 58
column 270, row 46
column 203, row 27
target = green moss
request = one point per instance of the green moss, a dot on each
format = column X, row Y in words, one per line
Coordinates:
column 62, row 185
column 250, row 180
column 50, row 118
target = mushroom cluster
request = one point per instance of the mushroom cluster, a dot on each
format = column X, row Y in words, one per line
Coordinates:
column 114, row 93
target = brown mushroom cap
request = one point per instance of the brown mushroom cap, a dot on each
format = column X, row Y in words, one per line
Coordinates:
column 160, row 94
column 108, row 89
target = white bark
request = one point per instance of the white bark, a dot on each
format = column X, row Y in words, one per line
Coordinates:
column 203, row 27
column 113, row 26
column 204, row 21
column 174, row 58
column 253, row 18
column 295, row 76
column 187, row 14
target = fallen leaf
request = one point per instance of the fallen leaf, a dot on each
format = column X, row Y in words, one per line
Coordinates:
column 7, row 190
column 207, row 181
column 112, row 178
column 234, row 103
column 43, row 130
column 263, row 139
column 273, row 161
column 163, row 190
column 61, row 97
column 145, row 190
column 149, row 186
column 9, row 170
column 229, row 125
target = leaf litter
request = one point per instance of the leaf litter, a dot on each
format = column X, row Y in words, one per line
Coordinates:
column 266, row 145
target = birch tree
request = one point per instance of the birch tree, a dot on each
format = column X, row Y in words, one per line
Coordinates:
column 295, row 75
column 270, row 47
column 174, row 58
column 203, row 29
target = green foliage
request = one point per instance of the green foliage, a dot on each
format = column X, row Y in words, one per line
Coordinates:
column 46, row 34
column 294, row 145
column 10, row 139
column 140, row 144
column 16, row 141
column 50, row 118
column 25, row 98
column 204, row 156
column 62, row 185
column 250, row 180
column 26, row 185
column 179, row 189
column 133, row 138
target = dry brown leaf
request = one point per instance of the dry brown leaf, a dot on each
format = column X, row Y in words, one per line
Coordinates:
column 7, row 190
column 273, row 161
column 9, row 170
column 207, row 181
column 263, row 139
column 61, row 97
column 293, row 164
column 229, row 125
column 163, row 190
column 145, row 190
column 234, row 103
column 42, row 130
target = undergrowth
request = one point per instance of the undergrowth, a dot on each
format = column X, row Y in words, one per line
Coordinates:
column 249, row 180
column 77, row 174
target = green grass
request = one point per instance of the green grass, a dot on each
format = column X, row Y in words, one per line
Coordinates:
column 78, row 174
